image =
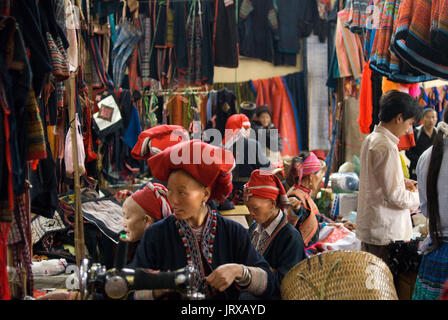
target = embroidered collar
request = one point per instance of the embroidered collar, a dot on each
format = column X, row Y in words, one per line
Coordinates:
column 204, row 247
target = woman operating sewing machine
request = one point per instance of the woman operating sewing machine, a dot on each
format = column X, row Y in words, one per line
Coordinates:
column 219, row 248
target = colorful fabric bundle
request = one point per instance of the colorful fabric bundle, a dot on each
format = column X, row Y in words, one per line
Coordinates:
column 19, row 241
column 348, row 49
column 357, row 17
column 432, row 274
column 382, row 59
column 35, row 130
column 420, row 25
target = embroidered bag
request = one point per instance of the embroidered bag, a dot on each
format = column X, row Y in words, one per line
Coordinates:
column 59, row 59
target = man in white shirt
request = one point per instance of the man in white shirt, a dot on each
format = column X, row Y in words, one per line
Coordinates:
column 385, row 196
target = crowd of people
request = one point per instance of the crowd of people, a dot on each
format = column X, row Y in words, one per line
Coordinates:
column 174, row 220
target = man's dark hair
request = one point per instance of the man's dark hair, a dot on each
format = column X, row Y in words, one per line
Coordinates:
column 395, row 102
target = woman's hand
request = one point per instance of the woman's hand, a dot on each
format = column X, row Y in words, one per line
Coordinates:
column 223, row 276
column 411, row 185
column 295, row 203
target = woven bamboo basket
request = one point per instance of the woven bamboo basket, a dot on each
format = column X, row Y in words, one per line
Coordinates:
column 339, row 275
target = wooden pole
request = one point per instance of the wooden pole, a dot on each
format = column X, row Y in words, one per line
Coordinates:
column 340, row 147
column 79, row 227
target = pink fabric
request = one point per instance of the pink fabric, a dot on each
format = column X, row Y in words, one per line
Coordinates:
column 310, row 165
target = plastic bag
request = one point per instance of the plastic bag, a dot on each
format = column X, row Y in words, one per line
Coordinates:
column 337, row 238
column 344, row 182
column 68, row 155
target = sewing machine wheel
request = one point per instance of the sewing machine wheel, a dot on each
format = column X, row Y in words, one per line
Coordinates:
column 83, row 278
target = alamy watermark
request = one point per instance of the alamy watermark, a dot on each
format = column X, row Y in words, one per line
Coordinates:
column 248, row 146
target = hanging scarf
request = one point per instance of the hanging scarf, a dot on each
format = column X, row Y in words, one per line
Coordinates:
column 309, row 227
column 19, row 240
column 204, row 246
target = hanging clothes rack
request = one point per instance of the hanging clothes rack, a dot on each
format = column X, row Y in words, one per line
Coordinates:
column 191, row 90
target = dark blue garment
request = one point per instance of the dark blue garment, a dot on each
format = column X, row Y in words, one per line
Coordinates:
column 27, row 15
column 207, row 65
column 133, row 130
column 180, row 35
column 284, row 251
column 256, row 34
column 161, row 248
column 296, row 20
column 226, row 36
column 295, row 84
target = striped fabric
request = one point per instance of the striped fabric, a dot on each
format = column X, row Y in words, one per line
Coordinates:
column 348, row 49
column 381, row 56
column 145, row 49
column 127, row 38
column 383, row 59
column 420, row 27
column 35, row 131
column 439, row 34
column 357, row 15
column 19, row 241
column 58, row 57
column 432, row 275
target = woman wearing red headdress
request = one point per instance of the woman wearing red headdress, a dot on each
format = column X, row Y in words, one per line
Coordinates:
column 143, row 208
column 304, row 177
column 220, row 249
column 271, row 234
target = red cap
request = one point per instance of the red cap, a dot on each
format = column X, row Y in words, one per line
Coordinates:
column 153, row 199
column 208, row 164
column 235, row 123
column 157, row 139
column 265, row 185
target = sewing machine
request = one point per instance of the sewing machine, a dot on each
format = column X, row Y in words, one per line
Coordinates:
column 97, row 283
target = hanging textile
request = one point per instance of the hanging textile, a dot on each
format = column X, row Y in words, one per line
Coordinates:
column 365, row 100
column 349, row 54
column 420, row 38
column 225, row 35
column 295, row 84
column 317, row 92
column 127, row 37
column 382, row 58
column 273, row 93
column 20, row 242
column 357, row 15
column 258, row 24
